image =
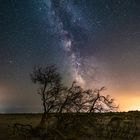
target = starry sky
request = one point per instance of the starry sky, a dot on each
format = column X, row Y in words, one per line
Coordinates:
column 95, row 42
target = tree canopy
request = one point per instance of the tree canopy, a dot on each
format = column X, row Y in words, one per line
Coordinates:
column 59, row 98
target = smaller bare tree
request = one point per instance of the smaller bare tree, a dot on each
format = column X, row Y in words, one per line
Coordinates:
column 71, row 99
column 96, row 102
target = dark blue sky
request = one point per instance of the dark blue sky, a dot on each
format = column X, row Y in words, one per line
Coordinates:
column 96, row 42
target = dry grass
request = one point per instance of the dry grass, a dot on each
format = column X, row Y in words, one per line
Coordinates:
column 85, row 127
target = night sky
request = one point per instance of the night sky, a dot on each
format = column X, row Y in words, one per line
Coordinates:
column 95, row 42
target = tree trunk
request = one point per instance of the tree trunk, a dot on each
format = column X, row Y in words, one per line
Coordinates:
column 44, row 105
column 92, row 107
column 43, row 121
column 44, row 100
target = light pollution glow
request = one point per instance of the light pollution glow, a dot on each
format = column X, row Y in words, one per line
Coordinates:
column 126, row 103
column 129, row 102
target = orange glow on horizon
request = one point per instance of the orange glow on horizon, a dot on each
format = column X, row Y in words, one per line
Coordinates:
column 128, row 102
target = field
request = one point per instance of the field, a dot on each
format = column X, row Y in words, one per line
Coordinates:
column 108, row 126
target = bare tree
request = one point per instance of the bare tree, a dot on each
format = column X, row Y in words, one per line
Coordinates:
column 76, row 99
column 55, row 97
column 49, row 82
column 59, row 99
column 71, row 99
column 96, row 102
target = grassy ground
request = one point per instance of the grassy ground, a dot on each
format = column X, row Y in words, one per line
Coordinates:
column 7, row 122
column 84, row 127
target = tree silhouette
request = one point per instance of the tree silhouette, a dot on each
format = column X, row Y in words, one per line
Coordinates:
column 49, row 82
column 71, row 99
column 61, row 99
column 96, row 102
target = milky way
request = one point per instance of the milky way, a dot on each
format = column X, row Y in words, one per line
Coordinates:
column 67, row 41
column 57, row 12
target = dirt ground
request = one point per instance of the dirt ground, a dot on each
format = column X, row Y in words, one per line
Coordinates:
column 7, row 124
column 86, row 131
